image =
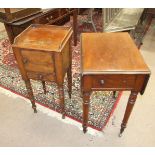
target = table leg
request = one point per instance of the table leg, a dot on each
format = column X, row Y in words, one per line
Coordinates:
column 130, row 104
column 69, row 76
column 9, row 31
column 30, row 93
column 61, row 96
column 44, row 87
column 75, row 13
column 114, row 94
column 86, row 99
column 53, row 99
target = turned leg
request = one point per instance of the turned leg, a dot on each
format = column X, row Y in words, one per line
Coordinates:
column 53, row 99
column 61, row 96
column 114, row 94
column 69, row 76
column 130, row 104
column 44, row 87
column 30, row 93
column 86, row 99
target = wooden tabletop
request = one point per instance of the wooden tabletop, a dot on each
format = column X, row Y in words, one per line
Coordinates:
column 43, row 37
column 110, row 53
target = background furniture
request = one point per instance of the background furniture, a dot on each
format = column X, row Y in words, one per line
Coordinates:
column 59, row 17
column 17, row 20
column 122, row 20
column 111, row 62
column 43, row 53
column 108, row 15
column 89, row 18
column 150, row 11
column 129, row 20
column 14, row 14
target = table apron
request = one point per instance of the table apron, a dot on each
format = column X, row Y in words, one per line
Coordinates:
column 118, row 82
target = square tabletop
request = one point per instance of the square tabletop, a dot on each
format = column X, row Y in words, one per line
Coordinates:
column 110, row 53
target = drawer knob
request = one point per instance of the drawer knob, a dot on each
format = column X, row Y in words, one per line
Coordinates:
column 25, row 61
column 49, row 18
column 40, row 76
column 67, row 8
column 102, row 82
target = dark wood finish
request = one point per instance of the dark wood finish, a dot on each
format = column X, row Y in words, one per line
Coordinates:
column 22, row 20
column 150, row 11
column 111, row 62
column 75, row 25
column 44, row 87
column 52, row 16
column 16, row 22
column 58, row 16
column 14, row 14
column 69, row 72
column 114, row 94
column 43, row 53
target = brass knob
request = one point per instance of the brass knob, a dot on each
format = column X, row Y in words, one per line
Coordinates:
column 40, row 76
column 47, row 18
column 102, row 82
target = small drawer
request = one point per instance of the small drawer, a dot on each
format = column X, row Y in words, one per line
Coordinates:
column 41, row 76
column 113, row 81
column 48, row 16
column 52, row 15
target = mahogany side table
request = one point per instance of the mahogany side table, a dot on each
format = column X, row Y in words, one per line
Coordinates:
column 43, row 52
column 111, row 62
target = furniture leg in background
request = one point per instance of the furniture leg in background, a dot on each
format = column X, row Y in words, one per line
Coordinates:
column 75, row 25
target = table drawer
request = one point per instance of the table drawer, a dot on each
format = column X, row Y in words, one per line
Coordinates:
column 52, row 15
column 41, row 76
column 113, row 81
column 48, row 16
